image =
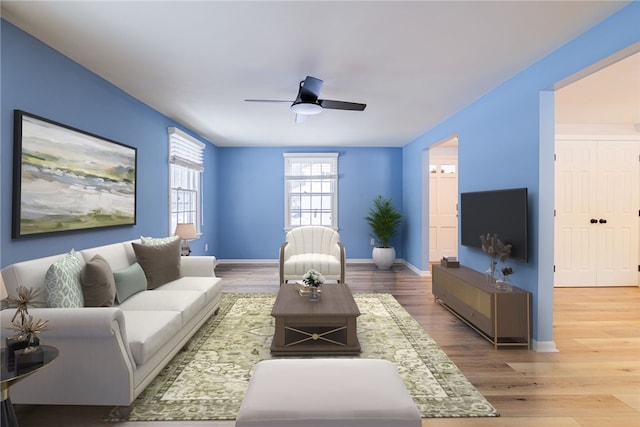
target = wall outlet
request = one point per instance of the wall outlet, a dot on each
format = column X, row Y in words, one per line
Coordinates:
column 373, row 242
column 206, row 247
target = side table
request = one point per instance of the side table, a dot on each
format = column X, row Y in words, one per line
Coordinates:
column 11, row 376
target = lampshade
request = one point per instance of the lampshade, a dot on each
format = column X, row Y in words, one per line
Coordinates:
column 186, row 231
column 3, row 290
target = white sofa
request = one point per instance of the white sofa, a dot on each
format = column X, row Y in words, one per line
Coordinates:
column 312, row 247
column 108, row 355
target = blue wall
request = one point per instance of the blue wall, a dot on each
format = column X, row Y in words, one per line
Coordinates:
column 500, row 145
column 251, row 198
column 41, row 81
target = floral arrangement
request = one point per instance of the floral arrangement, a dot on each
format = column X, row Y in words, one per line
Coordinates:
column 313, row 278
column 27, row 327
column 493, row 246
column 506, row 271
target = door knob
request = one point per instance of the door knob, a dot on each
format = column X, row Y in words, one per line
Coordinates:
column 602, row 221
column 594, row 221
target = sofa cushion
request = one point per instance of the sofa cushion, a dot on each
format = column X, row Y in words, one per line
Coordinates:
column 129, row 281
column 148, row 331
column 152, row 241
column 300, row 264
column 209, row 286
column 161, row 263
column 98, row 283
column 62, row 283
column 186, row 303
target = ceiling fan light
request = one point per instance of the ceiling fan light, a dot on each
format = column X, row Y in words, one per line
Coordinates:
column 306, row 108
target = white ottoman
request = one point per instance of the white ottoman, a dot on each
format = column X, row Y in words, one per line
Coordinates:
column 327, row 393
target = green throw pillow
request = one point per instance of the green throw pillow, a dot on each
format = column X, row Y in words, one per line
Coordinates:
column 129, row 281
column 98, row 284
column 62, row 283
column 161, row 263
column 152, row 241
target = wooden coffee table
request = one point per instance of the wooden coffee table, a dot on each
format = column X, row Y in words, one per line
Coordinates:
column 324, row 327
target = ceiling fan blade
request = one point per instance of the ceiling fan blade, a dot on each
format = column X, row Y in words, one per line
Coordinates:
column 341, row 105
column 267, row 100
column 311, row 87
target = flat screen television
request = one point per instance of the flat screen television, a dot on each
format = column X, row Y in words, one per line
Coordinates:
column 501, row 212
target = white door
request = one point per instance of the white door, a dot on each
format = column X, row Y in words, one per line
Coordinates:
column 597, row 202
column 443, row 207
column 618, row 180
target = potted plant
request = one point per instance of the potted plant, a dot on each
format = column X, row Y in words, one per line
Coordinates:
column 384, row 221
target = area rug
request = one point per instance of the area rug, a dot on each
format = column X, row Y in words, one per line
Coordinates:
column 208, row 379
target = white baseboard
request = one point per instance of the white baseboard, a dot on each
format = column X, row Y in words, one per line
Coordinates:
column 349, row 261
column 544, row 346
column 414, row 268
column 247, row 261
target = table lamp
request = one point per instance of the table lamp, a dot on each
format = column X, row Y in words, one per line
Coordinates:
column 186, row 231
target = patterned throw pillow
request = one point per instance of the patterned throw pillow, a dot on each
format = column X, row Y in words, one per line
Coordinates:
column 62, row 283
column 152, row 241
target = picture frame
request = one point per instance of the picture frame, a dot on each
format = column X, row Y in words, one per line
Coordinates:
column 65, row 179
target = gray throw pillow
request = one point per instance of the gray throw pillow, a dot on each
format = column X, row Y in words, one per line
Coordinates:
column 129, row 281
column 161, row 263
column 98, row 284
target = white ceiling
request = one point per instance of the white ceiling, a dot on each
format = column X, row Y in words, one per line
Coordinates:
column 413, row 63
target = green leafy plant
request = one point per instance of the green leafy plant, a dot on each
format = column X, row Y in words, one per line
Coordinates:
column 384, row 220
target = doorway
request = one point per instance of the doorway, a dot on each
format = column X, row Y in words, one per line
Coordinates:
column 443, row 199
column 597, row 177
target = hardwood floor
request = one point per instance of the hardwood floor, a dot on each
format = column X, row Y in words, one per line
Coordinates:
column 593, row 381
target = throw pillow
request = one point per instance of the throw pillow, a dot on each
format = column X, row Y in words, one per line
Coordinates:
column 161, row 263
column 98, row 284
column 129, row 281
column 62, row 283
column 152, row 241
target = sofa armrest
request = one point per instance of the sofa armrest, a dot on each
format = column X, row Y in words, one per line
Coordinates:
column 198, row 266
column 94, row 365
column 85, row 322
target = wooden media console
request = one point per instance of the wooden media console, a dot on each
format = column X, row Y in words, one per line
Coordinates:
column 502, row 317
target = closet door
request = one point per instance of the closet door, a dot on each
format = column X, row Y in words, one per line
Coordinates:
column 597, row 202
column 618, row 188
column 575, row 211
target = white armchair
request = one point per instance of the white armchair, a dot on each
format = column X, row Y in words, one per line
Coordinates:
column 312, row 246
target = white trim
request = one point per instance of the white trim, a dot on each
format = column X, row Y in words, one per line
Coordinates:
column 246, row 261
column 312, row 159
column 599, row 137
column 314, row 154
column 544, row 346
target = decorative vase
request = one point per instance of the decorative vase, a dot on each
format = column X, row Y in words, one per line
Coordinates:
column 384, row 257
column 19, row 342
column 313, row 293
column 491, row 274
column 503, row 284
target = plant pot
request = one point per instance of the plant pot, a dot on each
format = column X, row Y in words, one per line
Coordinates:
column 384, row 257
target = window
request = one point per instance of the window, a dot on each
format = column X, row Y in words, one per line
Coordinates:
column 185, row 179
column 311, row 189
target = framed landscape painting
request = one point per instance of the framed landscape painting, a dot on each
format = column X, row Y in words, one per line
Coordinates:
column 65, row 179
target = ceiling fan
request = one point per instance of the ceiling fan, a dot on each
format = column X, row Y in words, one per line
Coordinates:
column 307, row 102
